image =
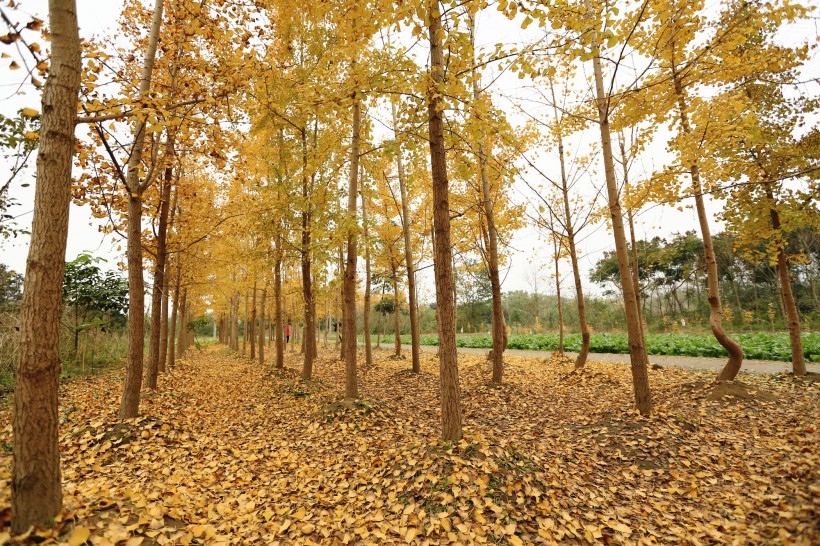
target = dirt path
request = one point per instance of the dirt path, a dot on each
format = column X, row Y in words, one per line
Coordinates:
column 763, row 367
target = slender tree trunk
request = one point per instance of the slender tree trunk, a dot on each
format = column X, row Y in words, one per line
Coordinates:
column 637, row 350
column 380, row 333
column 129, row 405
column 245, row 324
column 340, row 306
column 307, row 288
column 499, row 328
column 583, row 325
column 277, row 296
column 252, row 323
column 415, row 343
column 368, row 350
column 159, row 282
column 732, row 366
column 36, row 493
column 396, row 319
column 182, row 341
column 791, row 314
column 451, row 429
column 556, row 257
column 262, row 328
column 349, row 284
column 174, row 314
column 163, row 334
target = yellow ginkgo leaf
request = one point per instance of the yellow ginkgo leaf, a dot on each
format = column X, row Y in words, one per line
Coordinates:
column 78, row 536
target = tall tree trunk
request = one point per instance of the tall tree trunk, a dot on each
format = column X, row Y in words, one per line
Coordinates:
column 448, row 361
column 396, row 319
column 637, row 349
column 732, row 366
column 129, row 405
column 159, row 282
column 368, row 350
column 174, row 314
column 556, row 257
column 262, row 328
column 349, row 340
column 252, row 324
column 415, row 342
column 636, row 281
column 340, row 305
column 499, row 328
column 182, row 339
column 583, row 325
column 245, row 323
column 277, row 296
column 791, row 314
column 380, row 328
column 166, row 287
column 36, row 494
column 307, row 288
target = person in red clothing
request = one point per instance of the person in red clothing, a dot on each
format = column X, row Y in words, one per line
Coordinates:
column 287, row 333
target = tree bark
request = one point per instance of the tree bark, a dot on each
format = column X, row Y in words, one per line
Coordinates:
column 732, row 366
column 498, row 326
column 277, row 296
column 451, row 428
column 307, row 288
column 129, row 405
column 262, row 328
column 159, row 282
column 349, row 283
column 35, row 489
column 557, row 255
column 396, row 319
column 791, row 314
column 368, row 350
column 183, row 323
column 637, row 349
column 415, row 342
column 174, row 314
column 252, row 324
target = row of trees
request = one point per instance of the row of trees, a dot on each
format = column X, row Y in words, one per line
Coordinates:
column 249, row 138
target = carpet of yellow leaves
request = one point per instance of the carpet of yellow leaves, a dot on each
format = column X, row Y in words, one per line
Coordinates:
column 229, row 452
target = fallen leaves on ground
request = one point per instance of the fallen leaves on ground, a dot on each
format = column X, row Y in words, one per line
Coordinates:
column 230, row 452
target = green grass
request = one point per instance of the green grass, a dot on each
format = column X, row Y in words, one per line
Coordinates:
column 756, row 346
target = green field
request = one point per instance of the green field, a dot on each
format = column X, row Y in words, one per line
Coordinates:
column 757, row 346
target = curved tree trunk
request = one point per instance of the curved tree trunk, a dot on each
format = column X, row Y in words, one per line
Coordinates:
column 732, row 366
column 35, row 489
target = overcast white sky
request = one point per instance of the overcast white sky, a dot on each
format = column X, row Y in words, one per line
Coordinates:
column 530, row 251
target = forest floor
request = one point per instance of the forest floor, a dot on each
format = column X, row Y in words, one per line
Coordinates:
column 231, row 452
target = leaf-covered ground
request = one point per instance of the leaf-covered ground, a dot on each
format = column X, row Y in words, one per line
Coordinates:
column 233, row 453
